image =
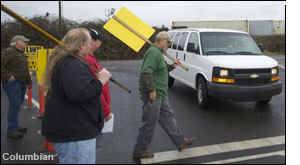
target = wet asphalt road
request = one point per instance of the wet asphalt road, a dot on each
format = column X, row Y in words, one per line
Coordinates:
column 223, row 122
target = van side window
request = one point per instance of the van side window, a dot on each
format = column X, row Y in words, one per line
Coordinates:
column 193, row 44
column 176, row 40
column 172, row 35
column 182, row 40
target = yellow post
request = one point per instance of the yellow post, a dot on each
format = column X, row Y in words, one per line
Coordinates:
column 41, row 64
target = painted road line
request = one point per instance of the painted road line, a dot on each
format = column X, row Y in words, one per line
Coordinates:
column 33, row 102
column 214, row 149
column 280, row 153
column 282, row 66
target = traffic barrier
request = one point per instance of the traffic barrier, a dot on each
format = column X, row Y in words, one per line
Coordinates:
column 30, row 91
column 41, row 101
column 29, row 103
column 47, row 148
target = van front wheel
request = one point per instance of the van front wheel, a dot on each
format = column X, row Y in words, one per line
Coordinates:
column 202, row 95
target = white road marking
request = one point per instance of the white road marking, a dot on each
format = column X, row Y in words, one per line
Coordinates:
column 214, row 149
column 34, row 102
column 282, row 66
column 281, row 153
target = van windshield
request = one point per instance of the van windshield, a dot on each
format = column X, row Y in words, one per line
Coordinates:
column 227, row 43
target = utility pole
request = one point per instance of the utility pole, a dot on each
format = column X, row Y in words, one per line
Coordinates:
column 109, row 12
column 105, row 15
column 59, row 21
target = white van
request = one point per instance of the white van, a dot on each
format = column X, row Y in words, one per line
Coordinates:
column 223, row 64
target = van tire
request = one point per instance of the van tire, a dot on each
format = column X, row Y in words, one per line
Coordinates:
column 202, row 95
column 171, row 81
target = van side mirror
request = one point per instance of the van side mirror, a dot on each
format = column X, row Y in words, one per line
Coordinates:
column 261, row 47
column 191, row 47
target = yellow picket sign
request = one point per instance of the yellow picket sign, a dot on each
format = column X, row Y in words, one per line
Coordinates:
column 42, row 57
column 124, row 34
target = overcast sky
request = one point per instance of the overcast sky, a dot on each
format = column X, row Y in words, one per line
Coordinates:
column 163, row 13
column 154, row 13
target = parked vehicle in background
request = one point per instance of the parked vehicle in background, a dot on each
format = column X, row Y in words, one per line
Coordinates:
column 223, row 64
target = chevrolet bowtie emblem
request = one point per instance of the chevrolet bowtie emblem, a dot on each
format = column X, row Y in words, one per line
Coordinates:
column 254, row 76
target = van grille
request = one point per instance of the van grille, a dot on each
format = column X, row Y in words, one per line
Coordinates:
column 251, row 71
column 252, row 76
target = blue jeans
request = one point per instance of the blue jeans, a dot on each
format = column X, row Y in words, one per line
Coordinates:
column 77, row 152
column 16, row 92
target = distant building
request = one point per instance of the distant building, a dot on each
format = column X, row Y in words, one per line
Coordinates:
column 253, row 27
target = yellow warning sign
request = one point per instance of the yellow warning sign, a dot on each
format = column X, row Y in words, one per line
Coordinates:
column 31, row 53
column 124, row 34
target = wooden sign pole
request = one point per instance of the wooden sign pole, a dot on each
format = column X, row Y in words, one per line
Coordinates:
column 148, row 41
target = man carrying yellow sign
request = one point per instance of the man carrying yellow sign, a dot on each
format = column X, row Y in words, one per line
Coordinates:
column 153, row 85
column 153, row 81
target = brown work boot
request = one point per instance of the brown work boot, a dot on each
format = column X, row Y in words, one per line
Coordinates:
column 15, row 135
column 187, row 143
column 143, row 155
column 22, row 129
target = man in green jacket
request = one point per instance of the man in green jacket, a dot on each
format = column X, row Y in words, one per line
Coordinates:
column 14, row 77
column 153, row 84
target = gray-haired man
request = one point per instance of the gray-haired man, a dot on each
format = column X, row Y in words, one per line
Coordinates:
column 14, row 77
column 153, row 84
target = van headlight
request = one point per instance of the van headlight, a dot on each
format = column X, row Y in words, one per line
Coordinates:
column 223, row 72
column 274, row 71
column 275, row 74
column 222, row 75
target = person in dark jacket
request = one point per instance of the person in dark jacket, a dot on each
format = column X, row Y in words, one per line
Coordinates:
column 14, row 77
column 72, row 119
column 97, row 40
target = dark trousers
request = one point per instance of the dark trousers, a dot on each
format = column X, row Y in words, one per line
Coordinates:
column 16, row 92
column 157, row 111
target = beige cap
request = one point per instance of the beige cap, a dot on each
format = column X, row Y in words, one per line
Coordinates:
column 19, row 38
column 163, row 35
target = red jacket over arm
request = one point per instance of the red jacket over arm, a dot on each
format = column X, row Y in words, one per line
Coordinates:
column 105, row 95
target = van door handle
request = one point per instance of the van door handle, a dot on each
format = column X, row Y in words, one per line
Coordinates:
column 184, row 57
column 176, row 55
